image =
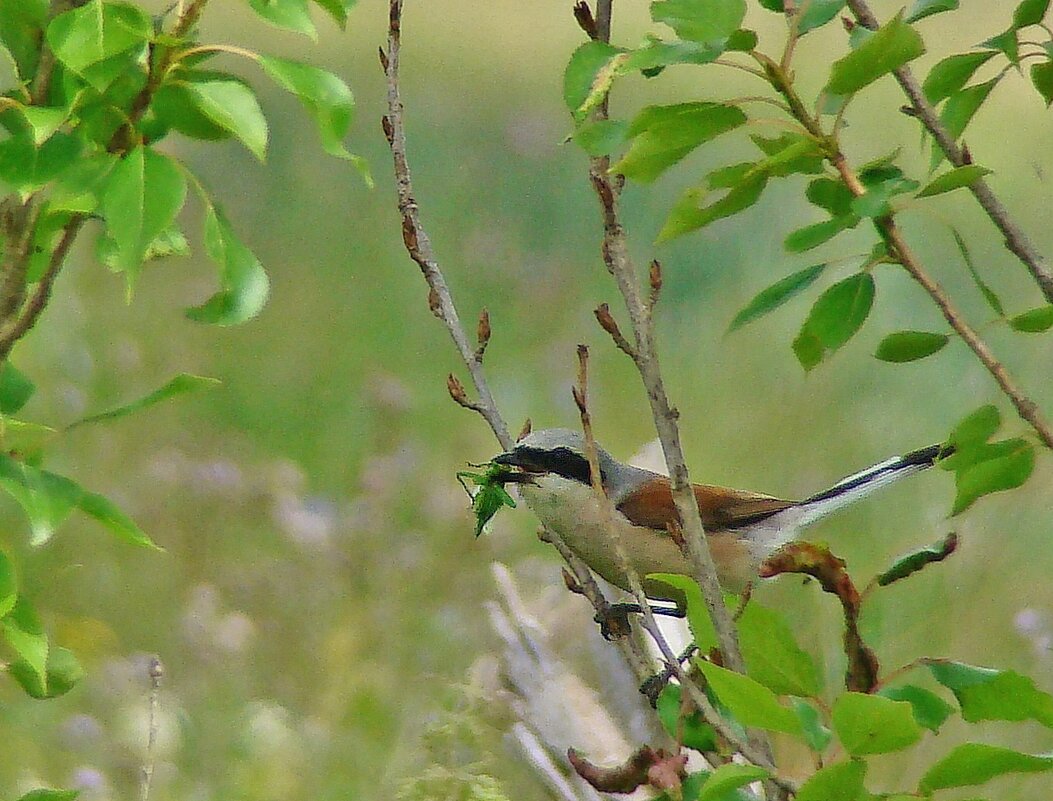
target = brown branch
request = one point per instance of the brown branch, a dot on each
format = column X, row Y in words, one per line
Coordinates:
column 418, row 245
column 619, row 264
column 10, row 334
column 902, row 253
column 416, row 239
column 1016, row 241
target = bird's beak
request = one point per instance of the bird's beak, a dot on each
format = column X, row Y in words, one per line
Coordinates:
column 511, row 459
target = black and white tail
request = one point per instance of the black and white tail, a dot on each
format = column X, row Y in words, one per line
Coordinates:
column 850, row 489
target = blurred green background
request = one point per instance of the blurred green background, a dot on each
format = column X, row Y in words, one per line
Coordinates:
column 321, row 594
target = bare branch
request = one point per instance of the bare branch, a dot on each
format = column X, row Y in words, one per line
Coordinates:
column 1018, row 243
column 418, row 245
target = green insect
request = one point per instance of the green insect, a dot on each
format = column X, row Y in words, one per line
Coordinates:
column 491, row 495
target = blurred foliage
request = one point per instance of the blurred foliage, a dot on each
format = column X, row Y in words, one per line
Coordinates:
column 320, row 586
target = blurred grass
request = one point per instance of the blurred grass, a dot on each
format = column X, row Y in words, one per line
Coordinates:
column 320, row 589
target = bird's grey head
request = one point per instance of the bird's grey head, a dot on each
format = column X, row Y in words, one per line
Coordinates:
column 561, row 451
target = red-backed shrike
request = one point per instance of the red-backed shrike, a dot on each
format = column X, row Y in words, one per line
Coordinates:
column 742, row 528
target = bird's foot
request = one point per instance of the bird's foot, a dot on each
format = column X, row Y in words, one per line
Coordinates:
column 652, row 687
column 614, row 620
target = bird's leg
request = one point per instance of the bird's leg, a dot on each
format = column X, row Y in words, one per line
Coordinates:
column 614, row 620
column 653, row 686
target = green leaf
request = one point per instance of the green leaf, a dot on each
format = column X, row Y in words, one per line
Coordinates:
column 601, row 137
column 50, row 795
column 687, row 215
column 1007, row 42
column 338, row 10
column 175, row 106
column 1042, row 78
column 976, row 427
column 690, row 730
column 926, row 8
column 917, row 560
column 491, row 496
column 97, row 31
column 180, row 385
column 142, row 196
column 232, row 105
column 774, row 296
column 47, row 498
column 15, row 389
column 816, row 234
column 951, row 74
column 26, row 167
column 730, row 777
column 959, row 110
column 817, row 13
column 702, row 630
column 815, row 733
column 587, row 72
column 1034, row 321
column 788, row 154
column 291, row 15
column 808, row 349
column 21, row 25
column 892, row 45
column 749, row 701
column 954, row 179
column 907, row 346
column 871, row 724
column 986, row 694
column 989, row 295
column 1030, row 12
column 930, row 710
column 656, row 55
column 830, row 194
column 8, row 585
column 663, row 135
column 62, row 673
column 118, row 523
column 841, row 310
column 243, row 281
column 700, row 20
column 25, row 635
column 1008, row 470
column 44, row 121
column 773, row 656
column 327, row 99
column 976, row 763
column 842, row 781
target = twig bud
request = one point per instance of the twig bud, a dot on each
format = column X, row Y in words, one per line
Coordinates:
column 524, row 432
column 610, row 325
column 654, row 275
column 456, row 390
column 383, row 58
column 571, row 582
column 482, row 335
column 583, row 15
column 435, row 302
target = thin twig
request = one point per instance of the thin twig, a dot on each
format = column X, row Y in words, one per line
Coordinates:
column 620, row 266
column 901, row 251
column 902, row 254
column 1016, row 241
column 749, row 750
column 156, row 673
column 418, row 245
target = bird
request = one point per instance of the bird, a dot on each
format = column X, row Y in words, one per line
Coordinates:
column 551, row 469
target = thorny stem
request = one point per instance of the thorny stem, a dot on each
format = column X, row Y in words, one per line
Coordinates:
column 1016, row 240
column 418, row 245
column 901, row 252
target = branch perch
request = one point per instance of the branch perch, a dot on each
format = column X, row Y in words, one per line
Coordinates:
column 1016, row 240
